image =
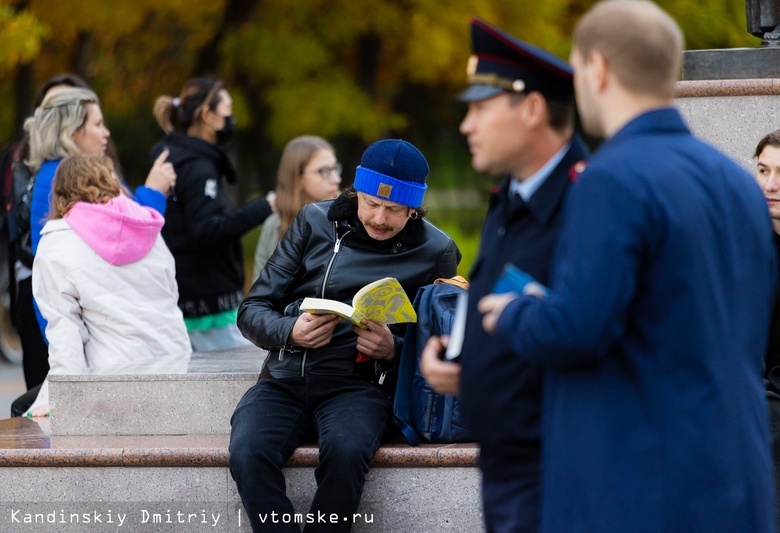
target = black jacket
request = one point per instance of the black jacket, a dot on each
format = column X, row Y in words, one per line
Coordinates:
column 327, row 253
column 202, row 227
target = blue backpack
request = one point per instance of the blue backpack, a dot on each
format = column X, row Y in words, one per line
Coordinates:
column 421, row 413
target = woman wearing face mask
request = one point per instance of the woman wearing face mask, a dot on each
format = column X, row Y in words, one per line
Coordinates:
column 202, row 228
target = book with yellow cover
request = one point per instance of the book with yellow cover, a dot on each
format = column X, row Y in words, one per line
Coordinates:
column 383, row 301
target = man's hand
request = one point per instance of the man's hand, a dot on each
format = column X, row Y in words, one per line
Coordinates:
column 442, row 376
column 313, row 331
column 376, row 342
column 491, row 306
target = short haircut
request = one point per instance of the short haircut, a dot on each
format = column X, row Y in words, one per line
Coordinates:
column 770, row 139
column 640, row 42
column 560, row 113
column 51, row 128
column 83, row 178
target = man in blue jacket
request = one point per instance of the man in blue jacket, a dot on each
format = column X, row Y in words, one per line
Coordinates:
column 653, row 333
column 519, row 126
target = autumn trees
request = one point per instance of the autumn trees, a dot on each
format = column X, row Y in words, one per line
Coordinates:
column 349, row 70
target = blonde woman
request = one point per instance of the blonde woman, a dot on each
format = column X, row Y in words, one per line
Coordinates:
column 70, row 122
column 308, row 172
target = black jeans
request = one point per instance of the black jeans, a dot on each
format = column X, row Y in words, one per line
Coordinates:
column 346, row 415
column 35, row 358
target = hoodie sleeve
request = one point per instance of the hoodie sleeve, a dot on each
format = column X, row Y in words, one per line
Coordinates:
column 209, row 214
column 41, row 201
column 149, row 197
column 57, row 299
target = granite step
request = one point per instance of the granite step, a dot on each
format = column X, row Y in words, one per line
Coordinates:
column 181, row 483
column 199, row 402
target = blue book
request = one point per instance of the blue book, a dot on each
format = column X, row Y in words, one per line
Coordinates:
column 515, row 280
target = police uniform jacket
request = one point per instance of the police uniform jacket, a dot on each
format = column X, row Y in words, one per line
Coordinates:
column 501, row 394
column 327, row 253
column 653, row 339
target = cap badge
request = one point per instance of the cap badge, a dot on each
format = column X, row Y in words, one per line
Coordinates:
column 471, row 66
column 384, row 190
column 518, row 86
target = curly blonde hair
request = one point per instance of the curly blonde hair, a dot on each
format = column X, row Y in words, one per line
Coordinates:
column 83, row 178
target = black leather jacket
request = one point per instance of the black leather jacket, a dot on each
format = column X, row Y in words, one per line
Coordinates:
column 327, row 253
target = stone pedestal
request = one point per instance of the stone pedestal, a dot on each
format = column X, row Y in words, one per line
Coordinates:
column 731, row 115
column 731, row 64
column 730, row 98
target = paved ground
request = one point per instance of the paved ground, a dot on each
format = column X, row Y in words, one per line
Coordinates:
column 11, row 386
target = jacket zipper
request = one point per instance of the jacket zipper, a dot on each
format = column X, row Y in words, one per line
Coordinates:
column 336, row 249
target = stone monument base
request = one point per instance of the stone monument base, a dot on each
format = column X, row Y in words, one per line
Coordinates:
column 731, row 114
column 731, row 64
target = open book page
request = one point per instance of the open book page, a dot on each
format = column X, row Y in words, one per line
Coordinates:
column 385, row 302
column 323, row 306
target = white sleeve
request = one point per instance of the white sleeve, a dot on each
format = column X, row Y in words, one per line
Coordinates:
column 57, row 300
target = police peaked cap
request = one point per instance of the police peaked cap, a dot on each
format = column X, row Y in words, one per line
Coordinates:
column 501, row 63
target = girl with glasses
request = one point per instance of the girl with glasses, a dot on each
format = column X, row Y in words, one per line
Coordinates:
column 308, row 172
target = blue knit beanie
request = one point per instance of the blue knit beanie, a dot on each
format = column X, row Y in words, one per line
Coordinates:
column 393, row 170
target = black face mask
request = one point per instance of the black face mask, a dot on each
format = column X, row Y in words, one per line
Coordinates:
column 226, row 133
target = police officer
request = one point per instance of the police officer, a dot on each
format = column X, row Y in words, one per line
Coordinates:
column 519, row 126
column 653, row 334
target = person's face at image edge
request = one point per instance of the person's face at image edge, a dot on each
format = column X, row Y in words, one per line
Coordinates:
column 768, row 178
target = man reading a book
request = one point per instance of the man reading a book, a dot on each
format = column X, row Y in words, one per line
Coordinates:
column 325, row 379
column 519, row 126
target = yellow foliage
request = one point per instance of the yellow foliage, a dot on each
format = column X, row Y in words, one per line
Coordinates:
column 20, row 38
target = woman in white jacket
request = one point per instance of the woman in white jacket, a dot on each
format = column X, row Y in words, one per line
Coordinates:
column 105, row 281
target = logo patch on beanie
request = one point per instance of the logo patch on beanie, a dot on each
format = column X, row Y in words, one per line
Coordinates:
column 384, row 190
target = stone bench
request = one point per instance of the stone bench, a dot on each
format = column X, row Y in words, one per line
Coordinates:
column 199, row 402
column 183, row 480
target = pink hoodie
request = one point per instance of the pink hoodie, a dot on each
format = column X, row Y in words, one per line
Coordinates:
column 120, row 231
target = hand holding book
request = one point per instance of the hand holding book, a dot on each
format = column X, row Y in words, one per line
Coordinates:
column 383, row 301
column 515, row 280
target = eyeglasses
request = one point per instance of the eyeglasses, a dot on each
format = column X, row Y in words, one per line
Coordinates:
column 326, row 172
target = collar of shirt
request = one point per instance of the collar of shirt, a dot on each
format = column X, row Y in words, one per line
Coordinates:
column 528, row 186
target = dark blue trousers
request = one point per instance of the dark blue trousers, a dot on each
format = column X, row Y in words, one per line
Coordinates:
column 347, row 416
column 511, row 506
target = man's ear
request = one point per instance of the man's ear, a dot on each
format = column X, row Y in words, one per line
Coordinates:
column 535, row 109
column 599, row 70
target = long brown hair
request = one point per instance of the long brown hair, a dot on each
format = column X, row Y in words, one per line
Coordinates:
column 296, row 155
column 83, row 178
